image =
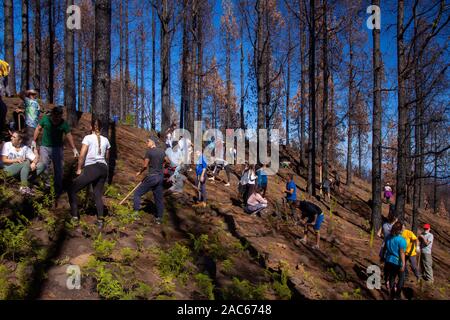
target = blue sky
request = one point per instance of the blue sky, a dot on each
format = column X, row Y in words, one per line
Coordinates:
column 388, row 48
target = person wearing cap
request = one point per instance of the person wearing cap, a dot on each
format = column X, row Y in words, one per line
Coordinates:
column 52, row 145
column 426, row 260
column 32, row 111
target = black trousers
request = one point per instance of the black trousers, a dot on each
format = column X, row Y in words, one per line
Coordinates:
column 392, row 273
column 95, row 174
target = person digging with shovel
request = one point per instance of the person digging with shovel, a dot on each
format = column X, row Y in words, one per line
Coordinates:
column 153, row 161
column 315, row 218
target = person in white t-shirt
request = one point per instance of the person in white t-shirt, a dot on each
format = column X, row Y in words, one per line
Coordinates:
column 92, row 169
column 20, row 161
column 169, row 135
column 185, row 146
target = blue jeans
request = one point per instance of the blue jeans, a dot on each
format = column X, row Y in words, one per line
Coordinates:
column 202, row 188
column 56, row 156
column 154, row 183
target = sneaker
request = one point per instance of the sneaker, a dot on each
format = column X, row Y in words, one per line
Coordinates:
column 315, row 247
column 75, row 221
column 211, row 178
column 200, row 205
column 227, row 184
column 135, row 215
column 100, row 224
column 26, row 191
column 303, row 240
column 158, row 221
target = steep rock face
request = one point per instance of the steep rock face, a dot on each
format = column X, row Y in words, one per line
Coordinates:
column 224, row 242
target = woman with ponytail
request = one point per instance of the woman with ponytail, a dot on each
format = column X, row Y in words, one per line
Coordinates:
column 92, row 169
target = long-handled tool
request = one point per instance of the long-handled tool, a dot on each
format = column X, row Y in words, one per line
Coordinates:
column 129, row 194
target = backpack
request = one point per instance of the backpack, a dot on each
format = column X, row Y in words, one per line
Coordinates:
column 245, row 178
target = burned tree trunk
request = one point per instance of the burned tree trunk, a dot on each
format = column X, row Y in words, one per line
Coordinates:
column 102, row 74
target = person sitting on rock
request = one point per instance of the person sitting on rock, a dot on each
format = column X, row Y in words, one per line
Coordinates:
column 19, row 161
column 255, row 202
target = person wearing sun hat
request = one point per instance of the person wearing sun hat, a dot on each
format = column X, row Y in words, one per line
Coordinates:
column 426, row 261
column 32, row 112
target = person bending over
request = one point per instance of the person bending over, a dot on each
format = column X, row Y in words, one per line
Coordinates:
column 314, row 216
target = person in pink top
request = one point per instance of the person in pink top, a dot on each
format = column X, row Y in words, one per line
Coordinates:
column 256, row 202
column 388, row 193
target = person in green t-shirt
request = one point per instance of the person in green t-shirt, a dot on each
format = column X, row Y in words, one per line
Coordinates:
column 52, row 145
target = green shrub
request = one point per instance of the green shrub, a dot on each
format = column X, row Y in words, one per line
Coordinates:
column 128, row 255
column 108, row 287
column 23, row 275
column 142, row 291
column 5, row 285
column 199, row 243
column 205, row 285
column 336, row 277
column 139, row 240
column 210, row 246
column 103, row 248
column 175, row 262
column 122, row 215
column 244, row 290
column 227, row 265
column 112, row 191
column 87, row 228
column 14, row 239
column 166, row 288
column 281, row 287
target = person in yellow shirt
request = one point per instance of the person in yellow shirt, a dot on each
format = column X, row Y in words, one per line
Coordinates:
column 412, row 242
column 4, row 72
